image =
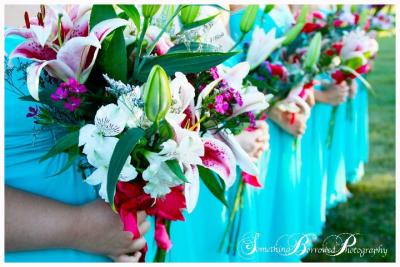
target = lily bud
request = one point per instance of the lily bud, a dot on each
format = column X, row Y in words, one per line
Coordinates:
column 157, row 94
column 313, row 52
column 249, row 18
column 149, row 11
column 189, row 13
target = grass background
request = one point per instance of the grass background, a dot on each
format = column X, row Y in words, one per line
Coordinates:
column 371, row 210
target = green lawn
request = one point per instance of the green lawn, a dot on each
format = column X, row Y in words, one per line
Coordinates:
column 371, row 210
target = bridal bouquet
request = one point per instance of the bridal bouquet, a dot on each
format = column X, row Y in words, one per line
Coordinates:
column 146, row 115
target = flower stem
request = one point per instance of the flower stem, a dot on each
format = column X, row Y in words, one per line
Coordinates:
column 238, row 42
column 233, row 214
column 332, row 122
column 162, row 254
column 163, row 30
column 146, row 23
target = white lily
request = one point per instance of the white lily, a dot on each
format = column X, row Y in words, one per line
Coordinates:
column 253, row 101
column 234, row 76
column 355, row 44
column 261, row 46
column 109, row 121
column 182, row 93
column 158, row 175
column 242, row 157
column 100, row 159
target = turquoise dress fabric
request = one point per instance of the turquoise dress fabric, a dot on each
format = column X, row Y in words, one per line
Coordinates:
column 314, row 170
column 334, row 156
column 198, row 237
column 357, row 142
column 25, row 144
column 276, row 206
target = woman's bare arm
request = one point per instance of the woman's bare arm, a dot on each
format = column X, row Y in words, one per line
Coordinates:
column 33, row 222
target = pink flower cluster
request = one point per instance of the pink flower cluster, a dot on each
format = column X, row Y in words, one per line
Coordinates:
column 69, row 93
column 223, row 100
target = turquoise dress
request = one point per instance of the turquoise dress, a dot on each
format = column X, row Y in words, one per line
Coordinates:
column 25, row 144
column 334, row 156
column 198, row 237
column 276, row 206
column 357, row 142
column 314, row 170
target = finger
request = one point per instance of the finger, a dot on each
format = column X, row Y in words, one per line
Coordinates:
column 136, row 245
column 262, row 138
column 144, row 228
column 127, row 258
column 141, row 216
column 261, row 124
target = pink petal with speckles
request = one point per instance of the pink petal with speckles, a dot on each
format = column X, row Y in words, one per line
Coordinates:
column 34, row 51
column 74, row 53
column 219, row 158
column 81, row 27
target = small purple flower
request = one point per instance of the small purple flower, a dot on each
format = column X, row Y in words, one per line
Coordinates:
column 238, row 98
column 252, row 119
column 227, row 95
column 214, row 73
column 221, row 106
column 75, row 87
column 73, row 103
column 59, row 94
column 33, row 112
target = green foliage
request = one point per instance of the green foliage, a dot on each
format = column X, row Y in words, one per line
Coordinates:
column 189, row 62
column 112, row 58
column 123, row 149
column 214, row 183
column 62, row 145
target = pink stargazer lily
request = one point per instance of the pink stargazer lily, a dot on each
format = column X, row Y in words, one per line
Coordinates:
column 212, row 154
column 74, row 57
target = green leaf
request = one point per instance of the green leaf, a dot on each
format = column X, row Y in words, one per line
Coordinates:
column 63, row 144
column 214, row 184
column 313, row 52
column 132, row 13
column 28, row 98
column 112, row 58
column 173, row 165
column 185, row 62
column 302, row 18
column 354, row 63
column 165, row 130
column 191, row 47
column 268, row 8
column 198, row 23
column 219, row 7
column 360, row 78
column 100, row 13
column 122, row 150
column 292, row 34
column 73, row 154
